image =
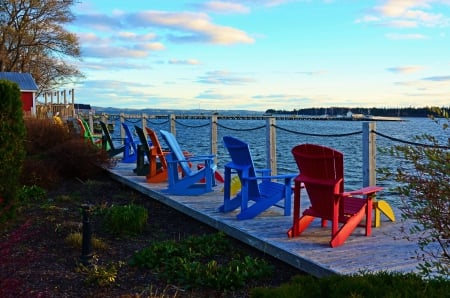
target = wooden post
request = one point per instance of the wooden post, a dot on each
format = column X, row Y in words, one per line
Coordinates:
column 72, row 92
column 122, row 130
column 271, row 143
column 369, row 154
column 172, row 119
column 91, row 121
column 144, row 120
column 213, row 137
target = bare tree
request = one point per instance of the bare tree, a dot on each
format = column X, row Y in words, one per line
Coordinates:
column 34, row 40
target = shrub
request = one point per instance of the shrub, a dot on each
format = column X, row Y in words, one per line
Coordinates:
column 12, row 133
column 100, row 275
column 192, row 263
column 41, row 172
column 42, row 135
column 52, row 153
column 381, row 284
column 125, row 220
column 78, row 158
column 425, row 192
column 75, row 240
column 32, row 193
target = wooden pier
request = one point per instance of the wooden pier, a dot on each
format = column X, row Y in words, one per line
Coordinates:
column 386, row 250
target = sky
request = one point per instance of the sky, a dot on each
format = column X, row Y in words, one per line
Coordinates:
column 263, row 54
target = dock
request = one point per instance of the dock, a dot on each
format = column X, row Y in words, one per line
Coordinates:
column 385, row 250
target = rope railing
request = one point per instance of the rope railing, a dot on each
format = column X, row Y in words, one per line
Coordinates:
column 409, row 142
column 132, row 121
column 238, row 129
column 158, row 123
column 192, row 126
column 316, row 134
column 368, row 138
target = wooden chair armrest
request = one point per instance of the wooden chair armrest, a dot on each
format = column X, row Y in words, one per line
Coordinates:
column 363, row 191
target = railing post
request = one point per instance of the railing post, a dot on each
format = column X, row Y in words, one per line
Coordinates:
column 144, row 120
column 271, row 143
column 103, row 118
column 213, row 138
column 172, row 119
column 91, row 121
column 369, row 154
column 72, row 93
column 122, row 130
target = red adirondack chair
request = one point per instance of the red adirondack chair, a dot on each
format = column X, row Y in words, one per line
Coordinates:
column 322, row 175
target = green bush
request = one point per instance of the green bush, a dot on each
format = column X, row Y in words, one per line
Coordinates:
column 377, row 285
column 12, row 134
column 423, row 183
column 32, row 193
column 125, row 220
column 192, row 263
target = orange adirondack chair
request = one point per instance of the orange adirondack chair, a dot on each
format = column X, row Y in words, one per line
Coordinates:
column 157, row 169
column 322, row 175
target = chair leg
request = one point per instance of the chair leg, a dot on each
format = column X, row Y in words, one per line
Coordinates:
column 300, row 226
column 342, row 234
column 382, row 206
column 158, row 177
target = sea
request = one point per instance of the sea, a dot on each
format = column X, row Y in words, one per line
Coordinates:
column 193, row 135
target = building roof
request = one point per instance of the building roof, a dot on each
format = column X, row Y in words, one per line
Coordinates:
column 24, row 80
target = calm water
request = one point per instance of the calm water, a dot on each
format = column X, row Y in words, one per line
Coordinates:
column 195, row 138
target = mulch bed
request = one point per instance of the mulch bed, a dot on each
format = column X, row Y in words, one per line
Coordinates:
column 35, row 260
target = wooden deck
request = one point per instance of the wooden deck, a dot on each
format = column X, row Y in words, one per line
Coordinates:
column 385, row 250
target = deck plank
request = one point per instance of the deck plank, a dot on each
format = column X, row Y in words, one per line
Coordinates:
column 386, row 250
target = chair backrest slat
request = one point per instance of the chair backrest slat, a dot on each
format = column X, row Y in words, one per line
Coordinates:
column 176, row 151
column 320, row 163
column 241, row 157
column 156, row 146
column 107, row 135
column 143, row 141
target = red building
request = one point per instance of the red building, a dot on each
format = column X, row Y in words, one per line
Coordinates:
column 27, row 87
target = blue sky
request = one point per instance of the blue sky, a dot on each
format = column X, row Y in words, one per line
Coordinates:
column 261, row 54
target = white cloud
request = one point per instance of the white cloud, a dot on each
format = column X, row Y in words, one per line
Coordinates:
column 223, row 7
column 225, row 78
column 406, row 69
column 397, row 36
column 185, row 62
column 408, row 13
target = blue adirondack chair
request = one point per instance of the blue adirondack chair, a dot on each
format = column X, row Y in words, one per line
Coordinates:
column 257, row 185
column 183, row 179
column 131, row 146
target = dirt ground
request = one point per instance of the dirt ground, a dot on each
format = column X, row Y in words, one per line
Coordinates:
column 35, row 260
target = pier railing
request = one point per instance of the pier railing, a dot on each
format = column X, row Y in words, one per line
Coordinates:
column 368, row 137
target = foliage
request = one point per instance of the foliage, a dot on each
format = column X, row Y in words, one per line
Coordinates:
column 34, row 40
column 12, row 133
column 43, row 134
column 191, row 263
column 100, row 275
column 78, row 158
column 334, row 111
column 75, row 240
column 125, row 220
column 424, row 184
column 376, row 285
column 32, row 193
column 52, row 153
